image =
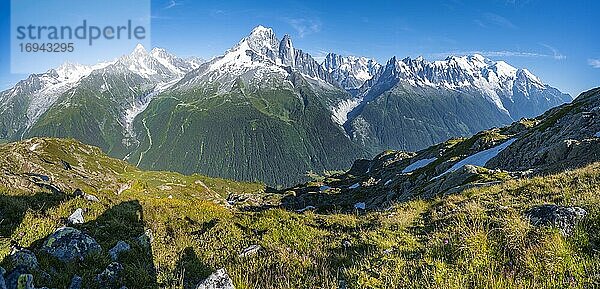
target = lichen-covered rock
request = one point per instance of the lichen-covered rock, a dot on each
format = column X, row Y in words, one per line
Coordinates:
column 76, row 217
column 76, row 282
column 111, row 276
column 217, row 280
column 24, row 258
column 68, row 244
column 563, row 218
column 25, row 282
column 120, row 247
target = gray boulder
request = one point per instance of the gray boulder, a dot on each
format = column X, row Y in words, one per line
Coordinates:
column 76, row 282
column 68, row 244
column 76, row 217
column 217, row 280
column 563, row 218
column 119, row 248
column 24, row 258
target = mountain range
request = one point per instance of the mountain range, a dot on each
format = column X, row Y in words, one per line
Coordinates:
column 266, row 110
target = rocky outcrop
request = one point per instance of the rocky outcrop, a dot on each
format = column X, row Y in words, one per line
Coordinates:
column 563, row 218
column 564, row 138
column 217, row 280
column 68, row 244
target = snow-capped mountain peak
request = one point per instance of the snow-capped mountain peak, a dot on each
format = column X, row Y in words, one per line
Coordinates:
column 263, row 51
column 350, row 71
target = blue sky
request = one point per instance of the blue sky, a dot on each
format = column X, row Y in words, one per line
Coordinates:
column 556, row 40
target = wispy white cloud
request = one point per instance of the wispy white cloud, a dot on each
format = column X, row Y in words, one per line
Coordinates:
column 555, row 53
column 172, row 4
column 595, row 63
column 304, row 26
column 499, row 53
column 319, row 55
column 490, row 19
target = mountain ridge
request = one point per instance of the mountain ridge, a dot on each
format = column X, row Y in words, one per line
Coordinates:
column 135, row 106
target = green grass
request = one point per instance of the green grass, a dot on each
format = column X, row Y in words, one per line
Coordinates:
column 475, row 239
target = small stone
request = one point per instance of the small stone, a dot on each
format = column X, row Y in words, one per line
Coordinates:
column 217, row 280
column 76, row 217
column 346, row 244
column 251, row 250
column 146, row 238
column 110, row 276
column 78, row 193
column 68, row 244
column 76, row 282
column 25, row 282
column 91, row 198
column 119, row 248
column 360, row 206
column 24, row 258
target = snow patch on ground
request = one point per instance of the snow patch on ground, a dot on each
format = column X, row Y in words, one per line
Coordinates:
column 418, row 164
column 480, row 158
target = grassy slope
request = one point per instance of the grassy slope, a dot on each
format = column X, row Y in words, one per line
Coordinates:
column 478, row 238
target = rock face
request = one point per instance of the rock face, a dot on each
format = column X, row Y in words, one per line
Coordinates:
column 217, row 280
column 68, row 244
column 563, row 218
column 565, row 137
